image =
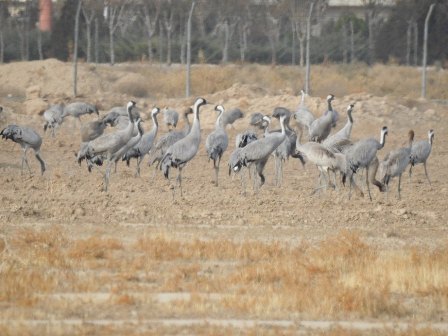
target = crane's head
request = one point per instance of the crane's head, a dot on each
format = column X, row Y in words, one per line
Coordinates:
column 219, row 108
column 384, row 130
column 266, row 119
column 131, row 104
column 330, row 97
column 411, row 135
column 431, row 133
column 281, row 111
column 155, row 111
column 350, row 107
column 200, row 102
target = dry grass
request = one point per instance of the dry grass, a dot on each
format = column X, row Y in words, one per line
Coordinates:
column 340, row 278
column 379, row 80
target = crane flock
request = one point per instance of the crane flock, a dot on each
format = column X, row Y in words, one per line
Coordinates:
column 330, row 153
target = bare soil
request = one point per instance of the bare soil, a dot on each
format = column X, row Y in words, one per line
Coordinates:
column 71, row 199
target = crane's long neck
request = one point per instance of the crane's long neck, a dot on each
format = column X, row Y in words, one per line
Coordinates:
column 187, row 126
column 196, row 127
column 130, row 128
column 349, row 115
column 430, row 139
column 302, row 99
column 330, row 107
column 382, row 140
column 155, row 124
column 282, row 124
column 218, row 120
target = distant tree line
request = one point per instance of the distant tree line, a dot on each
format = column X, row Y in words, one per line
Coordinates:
column 237, row 31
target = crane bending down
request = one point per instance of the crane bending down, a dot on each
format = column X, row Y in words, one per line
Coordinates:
column 181, row 152
column 53, row 117
column 170, row 118
column 27, row 138
column 217, row 142
column 420, row 153
column 362, row 154
column 144, row 145
column 258, row 152
column 110, row 144
column 229, row 117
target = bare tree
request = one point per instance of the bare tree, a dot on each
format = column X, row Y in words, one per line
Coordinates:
column 308, row 36
column 345, row 44
column 75, row 49
column 114, row 12
column 371, row 15
column 90, row 9
column 352, row 43
column 273, row 33
column 168, row 23
column 151, row 12
column 187, row 86
column 2, row 25
column 425, row 49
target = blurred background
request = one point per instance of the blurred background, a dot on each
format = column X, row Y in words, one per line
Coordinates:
column 226, row 31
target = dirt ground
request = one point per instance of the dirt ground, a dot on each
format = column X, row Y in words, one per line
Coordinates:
column 70, row 198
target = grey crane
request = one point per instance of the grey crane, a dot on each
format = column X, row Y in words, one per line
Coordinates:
column 260, row 122
column 320, row 128
column 303, row 115
column 170, row 118
column 217, row 142
column 27, row 138
column 362, row 154
column 53, row 117
column 159, row 149
column 110, row 144
column 229, row 117
column 182, row 151
column 77, row 109
column 287, row 148
column 133, row 141
column 258, row 152
column 145, row 144
column 93, row 129
column 344, row 133
column 323, row 158
column 396, row 162
column 420, row 153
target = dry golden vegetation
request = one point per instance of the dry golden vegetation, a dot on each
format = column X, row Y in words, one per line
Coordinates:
column 46, row 274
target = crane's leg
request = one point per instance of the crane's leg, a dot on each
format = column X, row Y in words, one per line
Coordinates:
column 334, row 181
column 351, row 185
column 115, row 166
column 217, row 170
column 179, row 180
column 137, row 169
column 367, row 182
column 280, row 173
column 25, row 160
column 410, row 173
column 41, row 161
column 399, row 187
column 426, row 173
column 107, row 174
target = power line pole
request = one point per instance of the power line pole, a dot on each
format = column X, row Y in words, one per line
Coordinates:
column 187, row 89
column 425, row 50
